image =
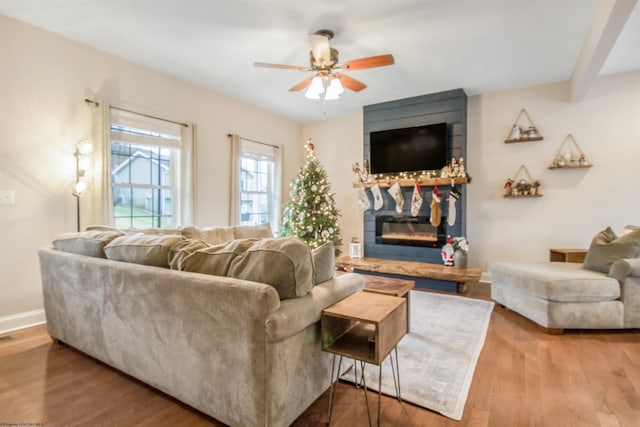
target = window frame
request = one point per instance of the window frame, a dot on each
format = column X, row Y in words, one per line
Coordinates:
column 147, row 134
column 262, row 152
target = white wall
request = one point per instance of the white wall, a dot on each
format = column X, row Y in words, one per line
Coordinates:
column 43, row 81
column 576, row 203
column 338, row 144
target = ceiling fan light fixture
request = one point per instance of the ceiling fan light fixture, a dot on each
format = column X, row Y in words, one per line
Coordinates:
column 315, row 88
column 334, row 90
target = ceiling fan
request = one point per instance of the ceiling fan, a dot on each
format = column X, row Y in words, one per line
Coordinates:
column 324, row 63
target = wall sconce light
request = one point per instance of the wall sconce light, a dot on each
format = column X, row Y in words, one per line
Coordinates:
column 83, row 152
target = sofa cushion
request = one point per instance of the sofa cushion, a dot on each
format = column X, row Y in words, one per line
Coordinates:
column 162, row 231
column 98, row 227
column 284, row 263
column 252, row 231
column 147, row 249
column 216, row 259
column 555, row 281
column 181, row 250
column 324, row 263
column 89, row 243
column 607, row 248
column 211, row 235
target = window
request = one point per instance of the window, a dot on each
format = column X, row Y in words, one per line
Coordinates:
column 145, row 164
column 257, row 183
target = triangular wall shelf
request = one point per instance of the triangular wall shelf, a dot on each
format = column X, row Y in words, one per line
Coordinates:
column 570, row 155
column 521, row 134
column 522, row 185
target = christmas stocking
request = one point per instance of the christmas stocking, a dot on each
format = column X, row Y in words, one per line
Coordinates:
column 396, row 194
column 454, row 195
column 436, row 213
column 363, row 200
column 377, row 197
column 416, row 200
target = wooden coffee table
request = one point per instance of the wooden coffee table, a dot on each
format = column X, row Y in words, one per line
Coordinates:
column 366, row 327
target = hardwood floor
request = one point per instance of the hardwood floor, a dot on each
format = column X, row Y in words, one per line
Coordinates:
column 524, row 377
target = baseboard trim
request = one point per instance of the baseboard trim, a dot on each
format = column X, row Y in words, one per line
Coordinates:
column 485, row 277
column 21, row 320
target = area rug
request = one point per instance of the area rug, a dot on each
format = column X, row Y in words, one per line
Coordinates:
column 438, row 357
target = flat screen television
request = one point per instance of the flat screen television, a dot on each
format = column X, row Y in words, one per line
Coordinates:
column 409, row 149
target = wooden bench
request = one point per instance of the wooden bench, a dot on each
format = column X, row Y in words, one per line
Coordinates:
column 413, row 269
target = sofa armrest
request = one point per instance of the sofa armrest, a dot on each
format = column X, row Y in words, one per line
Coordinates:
column 624, row 268
column 297, row 313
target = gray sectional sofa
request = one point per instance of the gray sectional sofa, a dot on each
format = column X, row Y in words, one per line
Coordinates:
column 602, row 293
column 232, row 347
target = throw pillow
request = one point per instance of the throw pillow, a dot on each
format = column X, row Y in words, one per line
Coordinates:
column 211, row 235
column 284, row 263
column 607, row 248
column 147, row 249
column 182, row 249
column 629, row 229
column 252, row 231
column 324, row 263
column 89, row 243
column 215, row 260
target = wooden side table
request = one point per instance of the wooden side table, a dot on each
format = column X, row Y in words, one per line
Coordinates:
column 391, row 286
column 365, row 326
column 567, row 255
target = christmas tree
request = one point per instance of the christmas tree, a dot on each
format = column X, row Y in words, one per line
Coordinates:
column 310, row 213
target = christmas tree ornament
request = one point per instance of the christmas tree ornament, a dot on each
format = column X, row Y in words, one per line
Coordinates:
column 436, row 212
column 454, row 195
column 363, row 200
column 416, row 200
column 396, row 194
column 377, row 197
column 310, row 213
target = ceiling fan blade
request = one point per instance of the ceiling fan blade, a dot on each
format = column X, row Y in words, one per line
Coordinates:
column 350, row 83
column 281, row 66
column 369, row 62
column 303, row 84
column 320, row 48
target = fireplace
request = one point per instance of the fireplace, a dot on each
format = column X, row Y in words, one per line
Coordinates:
column 406, row 230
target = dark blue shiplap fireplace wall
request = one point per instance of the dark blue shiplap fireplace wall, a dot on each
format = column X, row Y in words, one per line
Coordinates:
column 449, row 107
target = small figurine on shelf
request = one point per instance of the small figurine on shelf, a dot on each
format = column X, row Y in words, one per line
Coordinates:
column 516, row 132
column 364, row 175
column 522, row 188
column 532, row 132
column 535, row 188
column 444, row 173
column 356, row 172
column 454, row 167
column 507, row 187
column 582, row 160
column 447, row 252
column 462, row 173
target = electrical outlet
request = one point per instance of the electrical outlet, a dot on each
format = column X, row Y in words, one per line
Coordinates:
column 7, row 197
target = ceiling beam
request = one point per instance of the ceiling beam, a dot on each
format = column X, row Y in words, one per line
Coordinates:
column 607, row 24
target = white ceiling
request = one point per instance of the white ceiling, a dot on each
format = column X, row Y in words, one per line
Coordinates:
column 481, row 46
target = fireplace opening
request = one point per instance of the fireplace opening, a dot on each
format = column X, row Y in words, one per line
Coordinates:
column 410, row 231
